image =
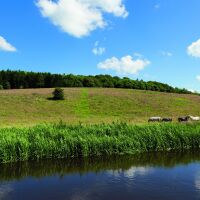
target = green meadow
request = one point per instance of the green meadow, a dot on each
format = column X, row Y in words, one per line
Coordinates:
column 28, row 107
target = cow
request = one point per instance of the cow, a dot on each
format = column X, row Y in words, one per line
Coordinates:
column 183, row 119
column 166, row 119
column 155, row 119
column 195, row 119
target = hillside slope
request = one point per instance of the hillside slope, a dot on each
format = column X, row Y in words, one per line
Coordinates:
column 95, row 105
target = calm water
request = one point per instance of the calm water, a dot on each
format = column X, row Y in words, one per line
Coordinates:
column 151, row 176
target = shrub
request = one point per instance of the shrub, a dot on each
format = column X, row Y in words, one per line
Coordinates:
column 1, row 87
column 7, row 85
column 58, row 94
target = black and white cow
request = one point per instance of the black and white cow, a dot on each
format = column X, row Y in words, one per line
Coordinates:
column 155, row 119
column 166, row 119
column 184, row 119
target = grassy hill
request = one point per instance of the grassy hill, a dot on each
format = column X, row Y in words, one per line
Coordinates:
column 95, row 105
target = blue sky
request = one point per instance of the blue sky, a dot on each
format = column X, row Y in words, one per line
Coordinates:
column 145, row 39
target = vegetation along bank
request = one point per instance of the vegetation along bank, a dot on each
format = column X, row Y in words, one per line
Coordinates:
column 65, row 141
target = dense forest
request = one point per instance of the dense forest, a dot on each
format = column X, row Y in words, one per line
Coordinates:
column 21, row 79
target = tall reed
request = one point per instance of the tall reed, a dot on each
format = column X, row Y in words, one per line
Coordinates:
column 64, row 141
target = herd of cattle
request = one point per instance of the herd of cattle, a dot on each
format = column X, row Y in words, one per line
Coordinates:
column 180, row 119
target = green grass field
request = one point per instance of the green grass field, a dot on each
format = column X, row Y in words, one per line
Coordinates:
column 92, row 105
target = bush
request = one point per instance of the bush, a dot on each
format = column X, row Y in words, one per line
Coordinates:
column 1, row 87
column 58, row 94
column 7, row 85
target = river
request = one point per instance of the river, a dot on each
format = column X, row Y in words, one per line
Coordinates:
column 149, row 176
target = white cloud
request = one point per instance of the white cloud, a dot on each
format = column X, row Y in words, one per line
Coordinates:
column 166, row 53
column 6, row 46
column 198, row 78
column 194, row 49
column 191, row 90
column 97, row 50
column 80, row 17
column 124, row 65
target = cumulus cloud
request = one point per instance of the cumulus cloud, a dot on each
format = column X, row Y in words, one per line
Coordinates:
column 124, row 65
column 6, row 46
column 97, row 50
column 80, row 17
column 198, row 77
column 194, row 49
column 191, row 90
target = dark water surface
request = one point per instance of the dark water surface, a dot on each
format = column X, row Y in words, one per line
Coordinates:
column 148, row 176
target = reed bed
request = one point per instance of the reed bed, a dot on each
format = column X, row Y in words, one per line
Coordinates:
column 52, row 141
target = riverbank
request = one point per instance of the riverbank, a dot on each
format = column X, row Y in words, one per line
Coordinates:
column 65, row 141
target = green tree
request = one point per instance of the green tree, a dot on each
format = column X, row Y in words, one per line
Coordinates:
column 58, row 94
column 21, row 79
column 7, row 85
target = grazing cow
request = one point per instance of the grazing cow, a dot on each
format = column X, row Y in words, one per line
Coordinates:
column 183, row 119
column 166, row 119
column 195, row 119
column 154, row 119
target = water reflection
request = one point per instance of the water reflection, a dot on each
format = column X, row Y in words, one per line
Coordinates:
column 131, row 173
column 144, row 176
column 143, row 162
column 5, row 190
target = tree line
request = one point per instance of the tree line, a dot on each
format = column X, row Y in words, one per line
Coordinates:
column 21, row 79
